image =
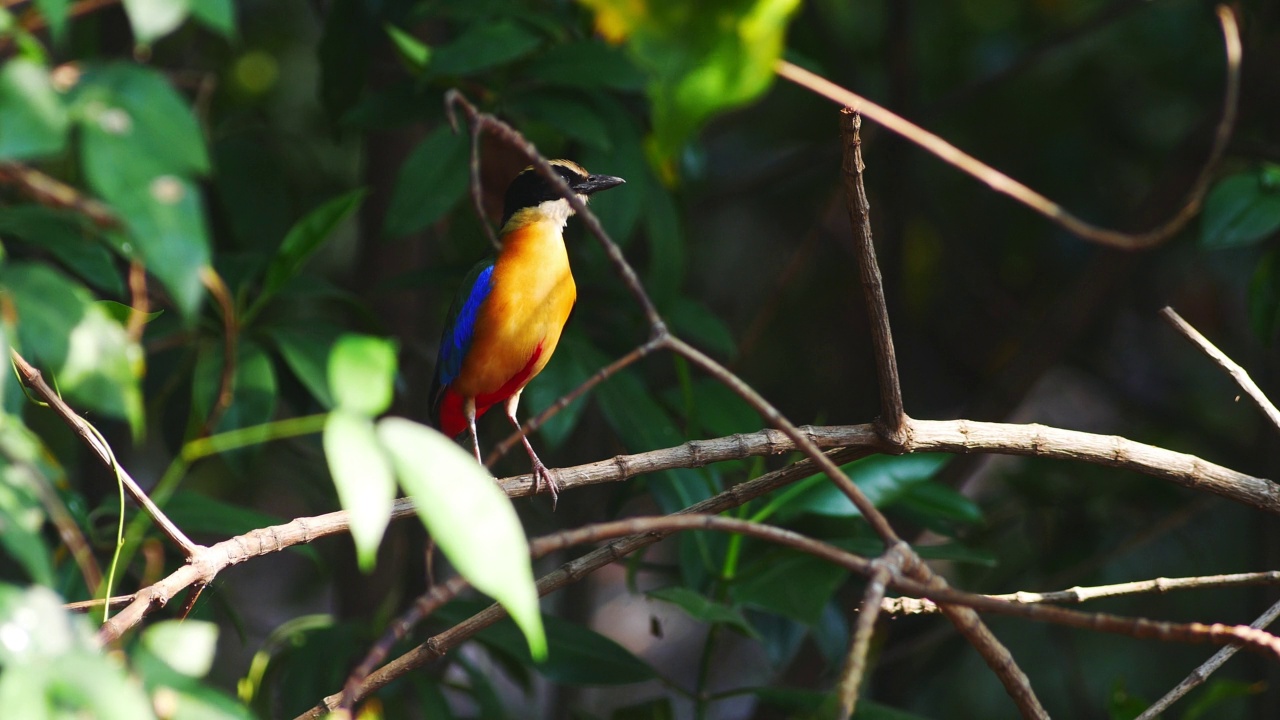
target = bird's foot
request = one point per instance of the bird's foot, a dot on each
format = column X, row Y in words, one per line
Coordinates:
column 541, row 474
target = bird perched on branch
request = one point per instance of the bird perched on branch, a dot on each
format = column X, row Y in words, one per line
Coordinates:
column 506, row 319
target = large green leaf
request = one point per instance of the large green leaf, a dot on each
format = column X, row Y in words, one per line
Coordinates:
column 1242, row 208
column 22, row 516
column 585, row 64
column 432, row 179
column 141, row 146
column 306, row 349
column 33, row 117
column 362, row 475
column 469, row 517
column 701, row 58
column 884, row 479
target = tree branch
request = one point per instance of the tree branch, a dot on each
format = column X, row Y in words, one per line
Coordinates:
column 1006, row 185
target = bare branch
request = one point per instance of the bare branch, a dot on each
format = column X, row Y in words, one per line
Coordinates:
column 919, row 606
column 1002, row 183
column 891, row 409
column 33, row 379
column 1202, row 673
column 52, row 192
column 1236, row 372
column 856, row 664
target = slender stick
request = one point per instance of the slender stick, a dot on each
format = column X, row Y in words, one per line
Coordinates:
column 33, row 379
column 891, row 409
column 1202, row 673
column 1002, row 183
column 856, row 664
column 1236, row 372
column 920, row 606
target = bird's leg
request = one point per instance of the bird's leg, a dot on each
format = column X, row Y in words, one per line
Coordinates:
column 469, row 410
column 540, row 472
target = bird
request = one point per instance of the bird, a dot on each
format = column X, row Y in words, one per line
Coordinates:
column 507, row 317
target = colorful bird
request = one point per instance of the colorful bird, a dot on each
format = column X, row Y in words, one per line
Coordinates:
column 506, row 319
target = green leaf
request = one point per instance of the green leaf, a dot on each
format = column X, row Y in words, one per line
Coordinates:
column 362, row 475
column 411, row 49
column 470, row 518
column 55, row 13
column 692, row 319
column 1242, row 209
column 187, row 646
column 940, row 501
column 1264, row 297
column 217, row 15
column 700, row 58
column 575, row 655
column 362, row 371
column 884, row 479
column 305, row 350
column 788, row 583
column 587, row 64
column 140, row 146
column 666, row 272
column 22, row 516
column 703, row 609
column 1209, row 702
column 61, row 329
column 432, row 179
column 34, row 119
column 120, row 312
column 483, row 46
column 153, row 19
column 305, row 237
column 69, row 237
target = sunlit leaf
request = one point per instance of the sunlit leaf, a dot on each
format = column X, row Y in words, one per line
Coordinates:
column 153, row 19
column 305, row 350
column 469, row 517
column 414, row 51
column 700, row 58
column 362, row 370
column 362, row 475
column 187, row 646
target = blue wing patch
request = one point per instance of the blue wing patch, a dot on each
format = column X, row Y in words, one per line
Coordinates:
column 456, row 340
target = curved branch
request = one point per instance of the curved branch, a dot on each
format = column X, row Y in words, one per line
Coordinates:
column 1002, row 183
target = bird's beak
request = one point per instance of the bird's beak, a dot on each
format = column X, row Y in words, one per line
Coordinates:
column 596, row 183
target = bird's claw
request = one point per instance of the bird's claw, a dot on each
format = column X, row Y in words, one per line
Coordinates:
column 541, row 474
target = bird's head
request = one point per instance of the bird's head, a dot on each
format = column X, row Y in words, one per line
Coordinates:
column 531, row 198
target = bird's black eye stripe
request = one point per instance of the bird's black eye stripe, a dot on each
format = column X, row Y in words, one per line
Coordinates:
column 530, row 189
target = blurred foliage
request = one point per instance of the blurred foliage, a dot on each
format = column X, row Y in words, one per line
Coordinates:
column 285, row 175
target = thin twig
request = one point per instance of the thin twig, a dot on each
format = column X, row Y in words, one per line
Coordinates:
column 892, row 413
column 221, row 294
column 52, row 192
column 920, row 606
column 1202, row 673
column 1236, row 372
column 33, row 379
column 1002, row 183
column 855, row 666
